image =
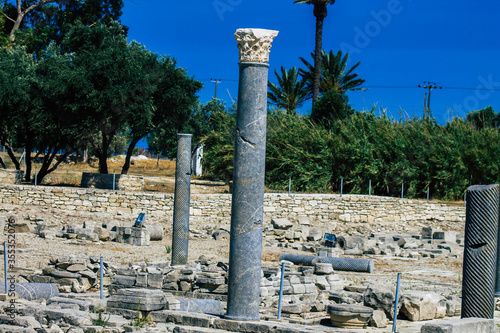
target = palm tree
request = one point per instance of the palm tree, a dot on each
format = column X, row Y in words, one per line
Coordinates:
column 290, row 93
column 335, row 74
column 320, row 13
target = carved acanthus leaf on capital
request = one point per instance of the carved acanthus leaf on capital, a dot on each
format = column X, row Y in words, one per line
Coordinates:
column 255, row 44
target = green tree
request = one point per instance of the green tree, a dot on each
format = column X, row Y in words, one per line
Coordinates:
column 125, row 88
column 35, row 110
column 320, row 11
column 484, row 118
column 335, row 75
column 174, row 100
column 36, row 23
column 57, row 123
column 297, row 149
column 4, row 39
column 17, row 75
column 290, row 93
column 218, row 153
column 332, row 106
column 167, row 92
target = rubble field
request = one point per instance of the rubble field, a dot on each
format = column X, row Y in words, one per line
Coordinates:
column 143, row 293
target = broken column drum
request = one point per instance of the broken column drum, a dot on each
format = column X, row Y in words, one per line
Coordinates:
column 338, row 264
column 245, row 249
column 480, row 252
column 180, row 233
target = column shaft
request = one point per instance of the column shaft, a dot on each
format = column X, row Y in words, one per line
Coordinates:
column 480, row 252
column 180, row 234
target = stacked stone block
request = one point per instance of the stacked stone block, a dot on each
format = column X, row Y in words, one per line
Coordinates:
column 217, row 207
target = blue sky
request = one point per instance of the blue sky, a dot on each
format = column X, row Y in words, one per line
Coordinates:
column 400, row 44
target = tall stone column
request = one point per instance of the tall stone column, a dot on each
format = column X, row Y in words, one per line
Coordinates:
column 180, row 234
column 480, row 251
column 245, row 248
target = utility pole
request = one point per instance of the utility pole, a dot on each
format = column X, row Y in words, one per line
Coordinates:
column 427, row 101
column 216, row 82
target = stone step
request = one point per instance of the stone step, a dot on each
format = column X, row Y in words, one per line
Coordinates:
column 194, row 329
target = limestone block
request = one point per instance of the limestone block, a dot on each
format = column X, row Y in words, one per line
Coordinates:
column 298, row 289
column 141, row 280
column 465, row 325
column 155, row 280
column 315, row 234
column 427, row 233
column 296, row 308
column 448, row 236
column 171, row 302
column 22, row 227
column 310, row 288
column 102, row 233
column 213, row 281
column 221, row 234
column 281, row 223
column 185, row 286
column 170, row 285
column 381, row 297
column 76, row 268
column 421, row 305
column 58, row 273
column 322, row 283
column 133, row 299
column 323, row 269
column 454, row 306
column 124, row 280
column 378, row 319
column 346, row 297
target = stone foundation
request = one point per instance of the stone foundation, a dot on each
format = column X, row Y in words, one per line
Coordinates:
column 11, row 176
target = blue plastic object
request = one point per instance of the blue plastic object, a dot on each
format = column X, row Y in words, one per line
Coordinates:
column 330, row 237
column 139, row 223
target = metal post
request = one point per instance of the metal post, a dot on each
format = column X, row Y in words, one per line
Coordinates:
column 281, row 289
column 402, row 190
column 428, row 194
column 114, row 179
column 35, row 176
column 3, row 153
column 370, row 187
column 180, row 234
column 396, row 304
column 341, row 186
column 6, row 270
column 101, row 271
column 245, row 247
column 480, row 251
column 289, row 185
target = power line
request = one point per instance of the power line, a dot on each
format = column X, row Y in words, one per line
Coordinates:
column 413, row 87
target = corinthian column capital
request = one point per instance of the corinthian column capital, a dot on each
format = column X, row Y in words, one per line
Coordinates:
column 255, row 44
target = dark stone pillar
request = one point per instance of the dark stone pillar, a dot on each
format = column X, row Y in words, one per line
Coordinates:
column 480, row 252
column 245, row 252
column 180, row 234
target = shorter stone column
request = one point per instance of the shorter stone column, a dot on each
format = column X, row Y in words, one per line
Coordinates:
column 180, row 234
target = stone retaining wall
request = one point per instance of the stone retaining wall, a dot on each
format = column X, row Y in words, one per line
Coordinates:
column 217, row 207
column 11, row 176
column 105, row 181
